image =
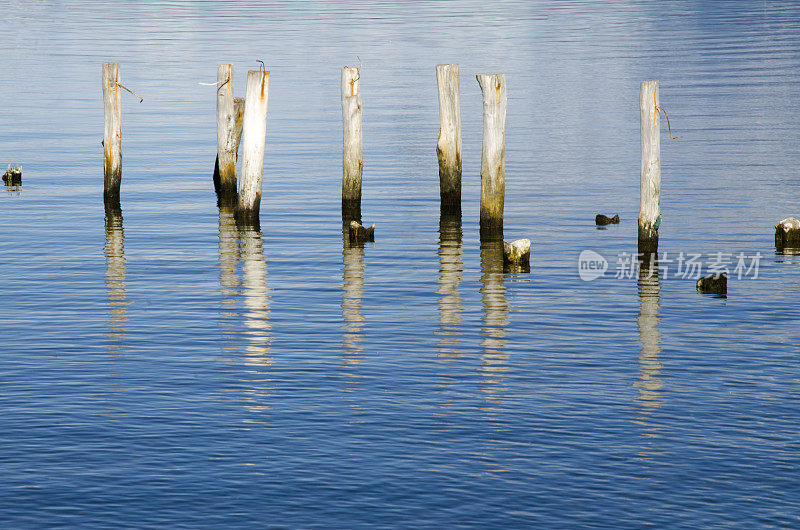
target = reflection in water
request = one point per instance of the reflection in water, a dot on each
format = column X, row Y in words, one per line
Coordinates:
column 14, row 190
column 115, row 278
column 228, row 260
column 788, row 255
column 241, row 250
column 451, row 272
column 256, row 295
column 495, row 307
column 648, row 383
column 352, row 296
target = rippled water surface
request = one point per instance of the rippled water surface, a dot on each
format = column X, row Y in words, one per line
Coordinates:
column 162, row 367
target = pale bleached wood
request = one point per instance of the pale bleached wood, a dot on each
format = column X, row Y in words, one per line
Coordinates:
column 650, row 191
column 226, row 130
column 229, row 196
column 254, row 134
column 112, row 138
column 448, row 145
column 493, row 157
column 517, row 252
column 238, row 113
column 352, row 160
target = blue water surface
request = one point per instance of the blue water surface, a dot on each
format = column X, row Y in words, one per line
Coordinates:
column 163, row 368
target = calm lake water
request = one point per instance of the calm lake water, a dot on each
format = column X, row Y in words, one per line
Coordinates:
column 162, row 368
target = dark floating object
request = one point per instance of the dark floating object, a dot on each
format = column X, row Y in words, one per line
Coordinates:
column 360, row 234
column 787, row 234
column 13, row 176
column 713, row 284
column 601, row 219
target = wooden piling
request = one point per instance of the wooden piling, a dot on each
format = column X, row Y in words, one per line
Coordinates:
column 448, row 146
column 493, row 158
column 229, row 197
column 254, row 133
column 226, row 131
column 650, row 191
column 352, row 160
column 112, row 138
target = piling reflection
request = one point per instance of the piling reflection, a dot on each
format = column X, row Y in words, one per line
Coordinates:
column 647, row 382
column 243, row 276
column 228, row 260
column 13, row 190
column 495, row 318
column 788, row 255
column 255, row 295
column 352, row 297
column 115, row 277
column 451, row 272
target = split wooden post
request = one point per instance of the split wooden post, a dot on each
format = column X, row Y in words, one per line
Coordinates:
column 112, row 138
column 229, row 197
column 650, row 191
column 254, row 132
column 448, row 146
column 226, row 130
column 238, row 113
column 493, row 158
column 352, row 150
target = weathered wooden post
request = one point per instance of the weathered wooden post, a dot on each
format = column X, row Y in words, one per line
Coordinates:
column 493, row 157
column 112, row 138
column 229, row 197
column 226, row 131
column 254, row 132
column 448, row 146
column 352, row 160
column 650, row 191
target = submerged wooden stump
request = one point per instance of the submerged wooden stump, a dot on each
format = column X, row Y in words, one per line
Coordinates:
column 517, row 256
column 787, row 234
column 359, row 234
column 13, row 176
column 601, row 220
column 713, row 284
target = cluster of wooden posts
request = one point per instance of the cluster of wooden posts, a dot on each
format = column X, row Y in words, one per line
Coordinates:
column 245, row 119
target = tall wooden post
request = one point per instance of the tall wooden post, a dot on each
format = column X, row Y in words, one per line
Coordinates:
column 352, row 159
column 226, row 130
column 112, row 138
column 448, row 146
column 229, row 197
column 650, row 192
column 493, row 157
column 254, row 137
